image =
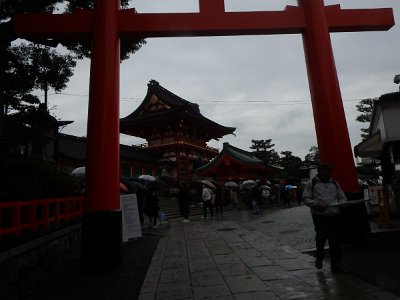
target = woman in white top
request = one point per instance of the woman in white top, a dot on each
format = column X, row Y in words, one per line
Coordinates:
column 207, row 196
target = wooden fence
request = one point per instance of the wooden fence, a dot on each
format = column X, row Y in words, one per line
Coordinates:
column 18, row 218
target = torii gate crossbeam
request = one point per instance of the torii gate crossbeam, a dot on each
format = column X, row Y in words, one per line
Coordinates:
column 107, row 23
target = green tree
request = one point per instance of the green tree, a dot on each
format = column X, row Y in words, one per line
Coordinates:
column 10, row 59
column 263, row 149
column 313, row 154
column 82, row 49
column 50, row 69
column 291, row 164
column 16, row 83
column 365, row 108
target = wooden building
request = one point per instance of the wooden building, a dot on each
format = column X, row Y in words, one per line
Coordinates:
column 236, row 164
column 134, row 161
column 383, row 142
column 174, row 128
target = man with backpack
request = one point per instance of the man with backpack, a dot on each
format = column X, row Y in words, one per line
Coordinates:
column 320, row 194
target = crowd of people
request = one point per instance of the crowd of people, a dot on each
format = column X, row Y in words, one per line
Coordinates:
column 214, row 197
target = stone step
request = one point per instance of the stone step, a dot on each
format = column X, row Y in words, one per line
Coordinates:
column 171, row 209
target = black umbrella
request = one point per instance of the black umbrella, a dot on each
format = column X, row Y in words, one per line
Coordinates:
column 134, row 185
column 156, row 185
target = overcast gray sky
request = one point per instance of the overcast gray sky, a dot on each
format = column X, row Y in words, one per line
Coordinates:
column 236, row 70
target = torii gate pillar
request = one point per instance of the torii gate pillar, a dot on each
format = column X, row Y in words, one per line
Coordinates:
column 102, row 221
column 329, row 117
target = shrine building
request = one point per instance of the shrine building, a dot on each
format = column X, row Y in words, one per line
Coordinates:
column 174, row 128
column 236, row 164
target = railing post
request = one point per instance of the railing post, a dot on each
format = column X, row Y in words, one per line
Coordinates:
column 46, row 213
column 17, row 218
column 33, row 215
column 57, row 211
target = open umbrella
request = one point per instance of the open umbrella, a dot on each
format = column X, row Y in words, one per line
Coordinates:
column 207, row 183
column 135, row 185
column 248, row 184
column 265, row 187
column 231, row 184
column 79, row 172
column 147, row 177
column 156, row 185
column 290, row 187
column 123, row 187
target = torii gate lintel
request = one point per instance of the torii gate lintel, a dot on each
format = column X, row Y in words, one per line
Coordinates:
column 208, row 22
column 107, row 23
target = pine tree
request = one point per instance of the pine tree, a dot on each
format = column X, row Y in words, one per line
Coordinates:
column 365, row 107
column 264, row 151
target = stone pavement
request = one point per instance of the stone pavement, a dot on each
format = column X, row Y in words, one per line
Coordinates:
column 288, row 226
column 224, row 260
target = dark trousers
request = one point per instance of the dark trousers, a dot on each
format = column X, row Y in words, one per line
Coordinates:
column 218, row 207
column 184, row 209
column 327, row 228
column 208, row 204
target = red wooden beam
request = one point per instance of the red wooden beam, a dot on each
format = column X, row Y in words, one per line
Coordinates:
column 78, row 25
column 215, row 22
column 203, row 24
column 354, row 20
column 212, row 6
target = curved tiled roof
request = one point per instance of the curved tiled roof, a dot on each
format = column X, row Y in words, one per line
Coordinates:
column 240, row 155
column 177, row 107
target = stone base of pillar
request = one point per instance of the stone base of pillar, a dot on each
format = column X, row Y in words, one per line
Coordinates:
column 101, row 240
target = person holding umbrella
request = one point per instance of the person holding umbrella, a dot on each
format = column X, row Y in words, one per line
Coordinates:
column 207, row 196
column 151, row 207
column 184, row 200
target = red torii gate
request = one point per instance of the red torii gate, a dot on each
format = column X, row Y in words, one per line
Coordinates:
column 107, row 23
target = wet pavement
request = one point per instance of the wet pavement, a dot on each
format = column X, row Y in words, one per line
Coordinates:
column 232, row 258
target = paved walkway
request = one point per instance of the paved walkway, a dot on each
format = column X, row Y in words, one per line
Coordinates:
column 224, row 260
column 288, row 226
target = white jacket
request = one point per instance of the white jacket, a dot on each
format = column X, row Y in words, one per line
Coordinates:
column 329, row 192
column 207, row 194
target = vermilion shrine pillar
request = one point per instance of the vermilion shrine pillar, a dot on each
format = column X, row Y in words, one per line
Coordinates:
column 329, row 117
column 102, row 221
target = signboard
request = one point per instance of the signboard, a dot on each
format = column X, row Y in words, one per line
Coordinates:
column 375, row 195
column 131, row 228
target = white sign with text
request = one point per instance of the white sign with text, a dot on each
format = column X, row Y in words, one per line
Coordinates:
column 131, row 228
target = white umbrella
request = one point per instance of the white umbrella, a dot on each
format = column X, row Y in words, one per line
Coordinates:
column 79, row 172
column 147, row 177
column 209, row 184
column 266, row 187
column 231, row 184
column 248, row 184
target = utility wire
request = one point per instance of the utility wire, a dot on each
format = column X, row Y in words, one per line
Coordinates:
column 271, row 102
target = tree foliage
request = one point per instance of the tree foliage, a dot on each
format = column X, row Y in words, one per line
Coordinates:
column 8, row 8
column 263, row 149
column 28, row 67
column 313, row 154
column 50, row 69
column 16, row 80
column 291, row 164
column 82, row 49
column 365, row 108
